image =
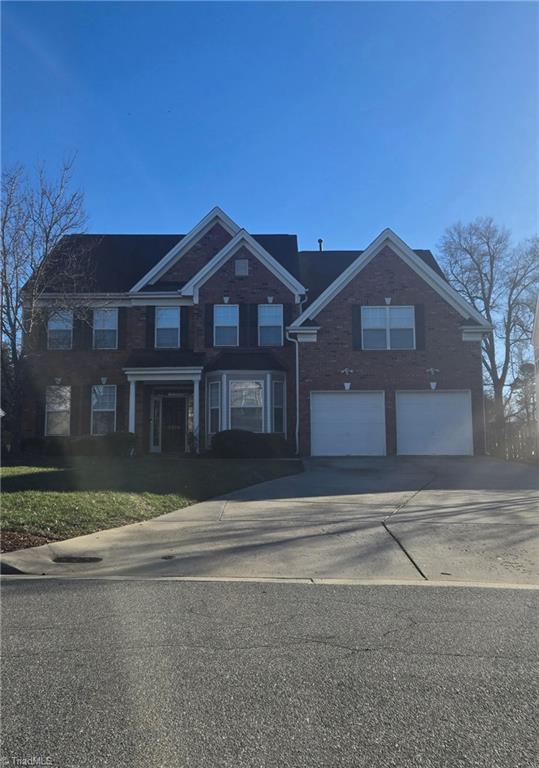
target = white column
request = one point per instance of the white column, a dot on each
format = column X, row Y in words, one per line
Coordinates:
column 132, row 405
column 196, row 412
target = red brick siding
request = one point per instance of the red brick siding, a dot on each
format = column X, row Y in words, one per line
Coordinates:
column 459, row 362
column 198, row 256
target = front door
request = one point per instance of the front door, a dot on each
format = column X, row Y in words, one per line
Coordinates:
column 173, row 424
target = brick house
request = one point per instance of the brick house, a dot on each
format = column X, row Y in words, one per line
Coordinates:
column 343, row 352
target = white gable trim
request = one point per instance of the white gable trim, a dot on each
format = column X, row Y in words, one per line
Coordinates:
column 388, row 237
column 242, row 239
column 216, row 215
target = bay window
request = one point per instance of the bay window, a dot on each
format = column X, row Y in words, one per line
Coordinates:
column 57, row 411
column 105, row 328
column 103, row 409
column 278, row 406
column 214, row 407
column 388, row 327
column 247, row 405
column 270, row 325
column 60, row 330
column 226, row 325
column 167, row 327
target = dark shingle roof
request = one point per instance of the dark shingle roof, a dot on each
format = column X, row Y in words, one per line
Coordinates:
column 120, row 261
column 317, row 269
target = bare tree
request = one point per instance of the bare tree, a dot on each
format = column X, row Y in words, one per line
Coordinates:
column 498, row 279
column 36, row 216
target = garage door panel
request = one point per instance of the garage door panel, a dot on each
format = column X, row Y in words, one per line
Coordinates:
column 434, row 423
column 348, row 424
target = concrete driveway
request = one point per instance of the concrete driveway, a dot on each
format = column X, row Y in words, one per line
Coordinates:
column 384, row 519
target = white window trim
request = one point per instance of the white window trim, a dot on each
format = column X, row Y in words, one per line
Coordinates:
column 111, row 309
column 47, row 411
column 237, row 326
column 162, row 346
column 57, row 349
column 274, row 382
column 103, row 410
column 388, row 347
column 217, row 383
column 270, row 326
column 242, row 381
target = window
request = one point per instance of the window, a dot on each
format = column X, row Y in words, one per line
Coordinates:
column 388, row 327
column 167, row 327
column 247, row 405
column 241, row 267
column 278, row 406
column 60, row 330
column 270, row 325
column 214, row 407
column 103, row 409
column 226, row 325
column 105, row 328
column 57, row 411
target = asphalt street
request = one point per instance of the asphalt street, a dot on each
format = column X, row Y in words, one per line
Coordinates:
column 210, row 674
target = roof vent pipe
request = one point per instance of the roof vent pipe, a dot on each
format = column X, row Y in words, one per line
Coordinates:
column 320, row 244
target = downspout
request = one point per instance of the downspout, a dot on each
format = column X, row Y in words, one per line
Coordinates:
column 296, row 342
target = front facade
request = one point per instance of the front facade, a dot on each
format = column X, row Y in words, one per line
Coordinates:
column 341, row 352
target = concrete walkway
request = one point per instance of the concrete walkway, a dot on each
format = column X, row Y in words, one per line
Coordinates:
column 395, row 519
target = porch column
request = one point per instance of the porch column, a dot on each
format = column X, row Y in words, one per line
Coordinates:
column 132, row 405
column 196, row 412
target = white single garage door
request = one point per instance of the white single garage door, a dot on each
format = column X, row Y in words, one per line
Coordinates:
column 348, row 424
column 434, row 423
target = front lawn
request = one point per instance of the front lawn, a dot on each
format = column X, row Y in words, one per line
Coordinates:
column 47, row 503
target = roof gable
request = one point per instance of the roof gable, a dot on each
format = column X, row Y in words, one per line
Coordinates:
column 414, row 260
column 215, row 216
column 242, row 239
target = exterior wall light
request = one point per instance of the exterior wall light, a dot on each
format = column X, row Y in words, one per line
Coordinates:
column 270, row 299
column 226, row 299
column 347, row 385
column 104, row 380
column 387, row 300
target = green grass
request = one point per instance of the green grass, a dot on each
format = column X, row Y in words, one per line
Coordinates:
column 91, row 494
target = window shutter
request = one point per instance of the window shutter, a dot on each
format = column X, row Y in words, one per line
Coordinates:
column 150, row 327
column 287, row 319
column 208, row 325
column 253, row 325
column 122, row 327
column 184, row 327
column 74, row 427
column 419, row 326
column 356, row 326
column 122, row 407
column 85, row 410
column 82, row 329
column 40, row 412
column 41, row 334
column 244, row 312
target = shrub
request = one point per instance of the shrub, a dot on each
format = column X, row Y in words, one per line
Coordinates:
column 242, row 444
column 114, row 444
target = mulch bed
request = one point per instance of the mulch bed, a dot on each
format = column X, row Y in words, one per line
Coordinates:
column 12, row 540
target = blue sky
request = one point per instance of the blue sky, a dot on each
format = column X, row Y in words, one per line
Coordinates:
column 328, row 120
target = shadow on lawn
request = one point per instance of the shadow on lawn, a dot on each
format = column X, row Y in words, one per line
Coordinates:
column 192, row 478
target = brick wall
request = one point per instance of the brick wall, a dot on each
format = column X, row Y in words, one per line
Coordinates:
column 459, row 362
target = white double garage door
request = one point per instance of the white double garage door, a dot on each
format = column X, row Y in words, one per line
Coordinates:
column 427, row 423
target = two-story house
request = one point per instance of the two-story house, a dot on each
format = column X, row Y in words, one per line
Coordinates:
column 181, row 336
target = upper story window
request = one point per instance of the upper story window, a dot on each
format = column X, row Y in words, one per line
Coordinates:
column 60, row 330
column 388, row 327
column 270, row 325
column 57, row 411
column 226, row 322
column 105, row 328
column 167, row 327
column 103, row 409
column 241, row 267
